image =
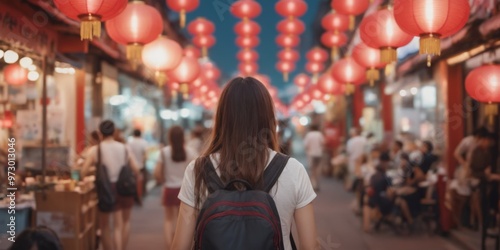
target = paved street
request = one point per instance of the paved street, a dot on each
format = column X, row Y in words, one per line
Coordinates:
column 338, row 227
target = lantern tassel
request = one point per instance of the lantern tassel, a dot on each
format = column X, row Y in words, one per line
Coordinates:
column 184, row 89
column 134, row 52
column 334, row 53
column 315, row 78
column 183, row 19
column 388, row 55
column 90, row 26
column 352, row 22
column 204, row 52
column 160, row 78
column 430, row 44
column 372, row 75
column 491, row 110
column 285, row 76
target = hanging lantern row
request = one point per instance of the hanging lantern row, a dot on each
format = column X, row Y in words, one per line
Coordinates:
column 351, row 8
column 183, row 6
column 247, row 32
column 202, row 29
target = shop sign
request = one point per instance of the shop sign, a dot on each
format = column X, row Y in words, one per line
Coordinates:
column 29, row 31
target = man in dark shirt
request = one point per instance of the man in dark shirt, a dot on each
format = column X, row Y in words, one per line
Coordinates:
column 378, row 190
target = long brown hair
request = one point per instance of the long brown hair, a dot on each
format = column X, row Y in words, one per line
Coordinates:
column 176, row 140
column 244, row 130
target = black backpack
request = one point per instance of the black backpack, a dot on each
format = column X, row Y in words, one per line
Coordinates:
column 127, row 181
column 105, row 195
column 231, row 219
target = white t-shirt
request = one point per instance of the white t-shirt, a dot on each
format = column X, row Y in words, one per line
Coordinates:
column 314, row 142
column 292, row 191
column 138, row 147
column 112, row 156
column 174, row 171
column 355, row 148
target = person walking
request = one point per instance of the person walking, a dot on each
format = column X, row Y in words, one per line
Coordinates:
column 138, row 146
column 170, row 170
column 314, row 142
column 355, row 148
column 114, row 156
column 241, row 149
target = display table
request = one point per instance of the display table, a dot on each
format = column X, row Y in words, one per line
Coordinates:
column 72, row 215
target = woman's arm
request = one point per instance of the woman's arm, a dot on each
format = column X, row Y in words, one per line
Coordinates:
column 184, row 233
column 306, row 228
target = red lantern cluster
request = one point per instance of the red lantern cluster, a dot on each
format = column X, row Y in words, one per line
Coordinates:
column 301, row 81
column 316, row 58
column 128, row 27
column 202, row 29
column 290, row 28
column 369, row 58
column 91, row 13
column 206, row 90
column 185, row 73
column 348, row 72
column 248, row 32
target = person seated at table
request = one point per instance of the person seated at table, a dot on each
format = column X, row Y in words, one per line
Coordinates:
column 39, row 238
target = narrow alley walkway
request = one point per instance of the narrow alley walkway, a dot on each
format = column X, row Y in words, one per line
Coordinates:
column 338, row 228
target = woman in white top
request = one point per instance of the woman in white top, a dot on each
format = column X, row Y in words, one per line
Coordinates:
column 243, row 142
column 171, row 165
column 114, row 155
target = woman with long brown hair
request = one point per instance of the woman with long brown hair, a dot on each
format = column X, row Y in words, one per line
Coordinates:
column 242, row 144
column 171, row 166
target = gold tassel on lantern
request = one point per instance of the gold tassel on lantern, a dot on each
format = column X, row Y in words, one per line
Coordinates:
column 183, row 19
column 333, row 53
column 349, row 88
column 388, row 55
column 430, row 44
column 372, row 75
column 160, row 78
column 204, row 52
column 491, row 110
column 134, row 52
column 90, row 26
column 184, row 89
column 285, row 76
column 352, row 22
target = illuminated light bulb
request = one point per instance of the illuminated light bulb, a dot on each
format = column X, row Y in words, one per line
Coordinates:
column 26, row 62
column 10, row 56
column 33, row 76
column 32, row 67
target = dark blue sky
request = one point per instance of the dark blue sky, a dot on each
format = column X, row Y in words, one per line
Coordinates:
column 223, row 53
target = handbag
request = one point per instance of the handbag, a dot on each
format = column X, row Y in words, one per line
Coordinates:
column 127, row 180
column 105, row 195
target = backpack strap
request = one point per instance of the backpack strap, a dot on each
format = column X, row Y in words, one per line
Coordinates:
column 98, row 164
column 212, row 179
column 274, row 170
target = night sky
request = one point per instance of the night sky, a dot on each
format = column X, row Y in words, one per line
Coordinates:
column 223, row 53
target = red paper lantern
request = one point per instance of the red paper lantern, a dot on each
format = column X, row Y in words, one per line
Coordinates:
column 328, row 85
column 302, row 80
column 291, row 8
column 380, row 30
column 248, row 68
column 247, row 41
column 431, row 20
column 287, row 41
column 191, row 51
column 291, row 26
column 129, row 27
column 317, row 54
column 201, row 26
column 315, row 93
column 183, row 6
column 315, row 67
column 247, row 28
column 204, row 42
column 351, row 8
column 247, row 55
column 14, row 74
column 347, row 71
column 334, row 21
column 186, row 72
column 210, row 71
column 162, row 54
column 333, row 40
column 91, row 13
column 7, row 120
column 285, row 67
column 246, row 9
column 288, row 55
column 369, row 58
column 483, row 85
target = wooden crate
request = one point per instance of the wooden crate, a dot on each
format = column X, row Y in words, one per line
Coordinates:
column 71, row 215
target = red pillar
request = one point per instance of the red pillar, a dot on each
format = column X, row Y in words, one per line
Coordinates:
column 455, row 123
column 386, row 109
column 80, row 111
column 358, row 105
